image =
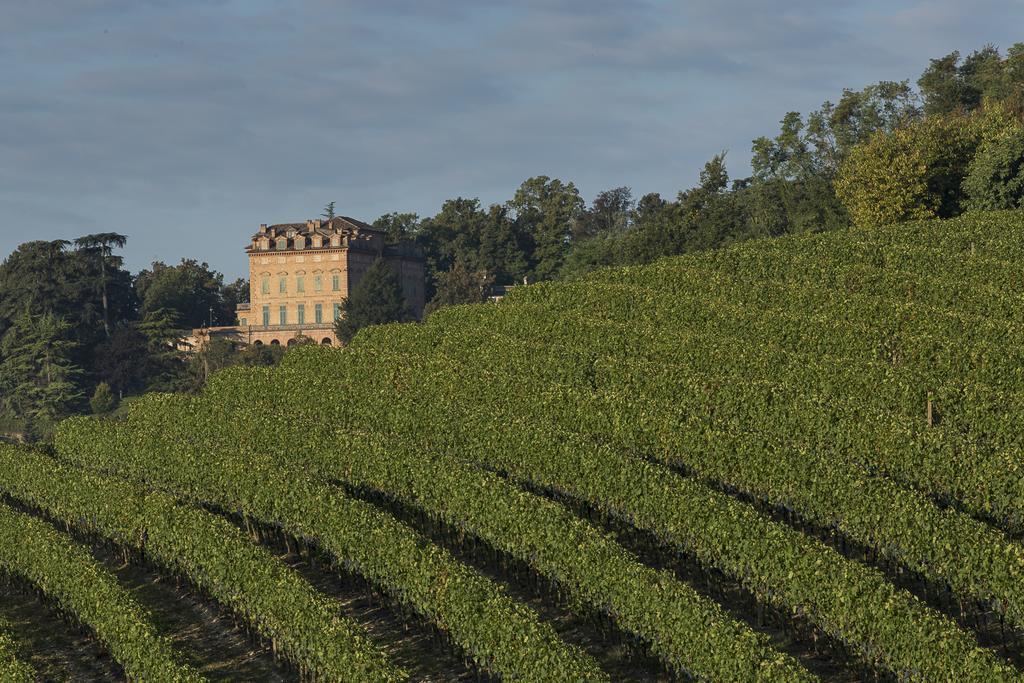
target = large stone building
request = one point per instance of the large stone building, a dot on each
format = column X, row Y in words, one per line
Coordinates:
column 299, row 273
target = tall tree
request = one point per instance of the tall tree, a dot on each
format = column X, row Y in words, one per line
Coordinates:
column 398, row 226
column 101, row 246
column 37, row 377
column 191, row 289
column 375, row 300
column 328, row 211
column 461, row 285
column 611, row 211
column 35, row 278
column 547, row 210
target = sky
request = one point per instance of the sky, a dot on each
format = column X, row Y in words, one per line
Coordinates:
column 184, row 124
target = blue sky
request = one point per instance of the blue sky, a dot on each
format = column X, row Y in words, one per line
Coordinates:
column 184, row 124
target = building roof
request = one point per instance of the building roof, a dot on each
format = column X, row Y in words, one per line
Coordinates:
column 338, row 224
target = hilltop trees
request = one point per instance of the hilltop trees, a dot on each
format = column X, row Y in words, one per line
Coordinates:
column 100, row 247
column 37, row 377
column 376, row 300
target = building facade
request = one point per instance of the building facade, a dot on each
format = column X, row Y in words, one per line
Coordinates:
column 299, row 274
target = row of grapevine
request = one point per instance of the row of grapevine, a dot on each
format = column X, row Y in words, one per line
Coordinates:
column 759, row 441
column 67, row 574
column 689, row 632
column 503, row 636
column 209, row 551
column 12, row 668
column 783, row 567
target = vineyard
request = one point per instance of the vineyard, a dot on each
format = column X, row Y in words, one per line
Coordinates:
column 786, row 460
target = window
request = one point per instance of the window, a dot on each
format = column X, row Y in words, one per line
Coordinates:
column 318, row 313
column 265, row 285
column 302, row 314
column 337, row 311
column 318, row 283
column 266, row 316
column 300, row 284
column 336, row 283
column 283, row 314
column 282, row 284
column 243, row 322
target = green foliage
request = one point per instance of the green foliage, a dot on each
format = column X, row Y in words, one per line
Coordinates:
column 995, row 178
column 11, row 668
column 398, row 226
column 546, row 211
column 103, row 399
column 914, row 173
column 37, row 377
column 214, row 554
column 503, row 636
column 793, row 372
column 124, row 361
column 328, row 212
column 191, row 290
column 460, row 285
column 984, row 77
column 375, row 300
column 68, row 574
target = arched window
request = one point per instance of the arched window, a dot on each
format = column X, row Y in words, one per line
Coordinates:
column 257, row 343
column 326, row 341
column 274, row 342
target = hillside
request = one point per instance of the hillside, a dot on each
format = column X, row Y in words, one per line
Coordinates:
column 790, row 459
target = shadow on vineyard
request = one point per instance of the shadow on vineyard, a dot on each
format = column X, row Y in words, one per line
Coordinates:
column 412, row 642
column 622, row 656
column 55, row 646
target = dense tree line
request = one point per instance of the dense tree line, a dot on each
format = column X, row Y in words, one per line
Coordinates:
column 77, row 328
column 75, row 324
column 885, row 153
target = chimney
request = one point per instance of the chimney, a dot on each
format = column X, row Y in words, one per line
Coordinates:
column 263, row 228
column 317, row 223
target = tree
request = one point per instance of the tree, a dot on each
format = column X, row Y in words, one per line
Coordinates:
column 942, row 86
column 995, row 179
column 461, row 285
column 191, row 289
column 611, row 211
column 163, row 337
column 100, row 246
column 547, row 210
column 103, row 400
column 328, row 211
column 398, row 226
column 918, row 171
column 35, row 279
column 37, row 377
column 375, row 300
column 124, row 361
column 233, row 294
